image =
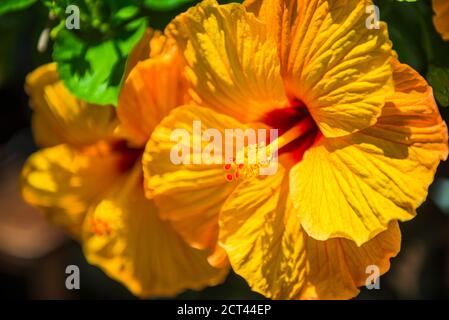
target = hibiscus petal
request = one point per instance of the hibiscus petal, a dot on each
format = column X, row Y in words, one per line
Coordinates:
column 153, row 88
column 123, row 235
column 331, row 61
column 267, row 246
column 152, row 45
column 59, row 117
column 268, row 11
column 64, row 182
column 441, row 18
column 232, row 66
column 189, row 195
column 353, row 186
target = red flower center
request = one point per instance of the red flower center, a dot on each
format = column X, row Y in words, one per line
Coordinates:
column 297, row 130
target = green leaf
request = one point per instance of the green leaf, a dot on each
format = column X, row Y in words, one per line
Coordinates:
column 91, row 69
column 14, row 5
column 126, row 13
column 439, row 80
column 165, row 4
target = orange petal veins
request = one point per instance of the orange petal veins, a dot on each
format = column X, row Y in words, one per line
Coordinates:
column 152, row 45
column 268, row 11
column 59, row 117
column 140, row 250
column 266, row 245
column 188, row 195
column 232, row 65
column 331, row 61
column 353, row 186
column 441, row 17
column 152, row 88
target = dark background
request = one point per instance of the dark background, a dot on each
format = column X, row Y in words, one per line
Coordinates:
column 34, row 255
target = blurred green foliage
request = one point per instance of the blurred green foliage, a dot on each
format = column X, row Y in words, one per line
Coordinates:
column 92, row 60
column 13, row 5
column 439, row 80
column 165, row 5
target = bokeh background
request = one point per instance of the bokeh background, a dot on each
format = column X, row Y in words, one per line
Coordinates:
column 34, row 254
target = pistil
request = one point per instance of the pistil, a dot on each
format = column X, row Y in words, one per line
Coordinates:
column 303, row 127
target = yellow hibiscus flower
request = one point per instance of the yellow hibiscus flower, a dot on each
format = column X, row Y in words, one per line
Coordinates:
column 360, row 140
column 89, row 179
column 441, row 17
